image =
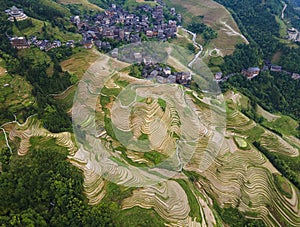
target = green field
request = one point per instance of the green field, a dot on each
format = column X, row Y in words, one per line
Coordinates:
column 36, row 56
column 193, row 202
column 15, row 96
column 283, row 185
column 79, row 62
column 241, row 143
column 284, row 125
column 44, row 30
column 139, row 217
column 82, row 5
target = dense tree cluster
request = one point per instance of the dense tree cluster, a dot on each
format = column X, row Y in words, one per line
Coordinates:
column 200, row 28
column 276, row 92
column 243, row 57
column 43, row 189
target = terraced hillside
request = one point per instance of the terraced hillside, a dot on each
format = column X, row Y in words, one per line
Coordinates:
column 212, row 172
column 164, row 146
column 167, row 155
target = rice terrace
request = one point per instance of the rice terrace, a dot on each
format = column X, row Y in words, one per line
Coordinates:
column 152, row 117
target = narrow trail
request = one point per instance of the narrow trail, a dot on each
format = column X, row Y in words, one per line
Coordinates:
column 6, row 140
column 234, row 32
column 283, row 10
column 198, row 45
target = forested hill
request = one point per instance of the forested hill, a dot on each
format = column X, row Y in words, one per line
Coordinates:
column 295, row 2
column 258, row 22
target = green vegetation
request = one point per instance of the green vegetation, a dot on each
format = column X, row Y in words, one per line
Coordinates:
column 111, row 91
column 193, row 177
column 155, row 157
column 275, row 92
column 130, row 217
column 136, row 71
column 193, row 202
column 137, row 216
column 283, row 125
column 44, row 189
column 283, row 164
column 207, row 32
column 45, row 30
column 254, row 133
column 283, row 185
column 241, row 143
column 235, row 218
column 109, row 127
column 162, row 103
column 215, row 61
column 41, row 9
column 125, row 157
column 15, row 97
column 143, row 137
column 127, row 96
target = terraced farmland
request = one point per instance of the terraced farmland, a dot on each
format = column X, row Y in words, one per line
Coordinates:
column 230, row 171
column 167, row 146
column 33, row 128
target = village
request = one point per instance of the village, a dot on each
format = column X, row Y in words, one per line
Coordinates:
column 116, row 25
column 113, row 27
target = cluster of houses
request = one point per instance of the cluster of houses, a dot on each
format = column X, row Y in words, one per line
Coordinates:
column 114, row 25
column 152, row 70
column 268, row 66
column 255, row 71
column 163, row 74
column 117, row 24
column 45, row 45
column 15, row 14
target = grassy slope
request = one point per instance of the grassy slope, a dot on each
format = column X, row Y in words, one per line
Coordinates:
column 135, row 216
column 53, row 32
column 79, row 62
column 84, row 3
column 16, row 97
column 284, row 125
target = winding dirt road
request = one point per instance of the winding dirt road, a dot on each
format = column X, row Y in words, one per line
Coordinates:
column 198, row 45
column 283, row 10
